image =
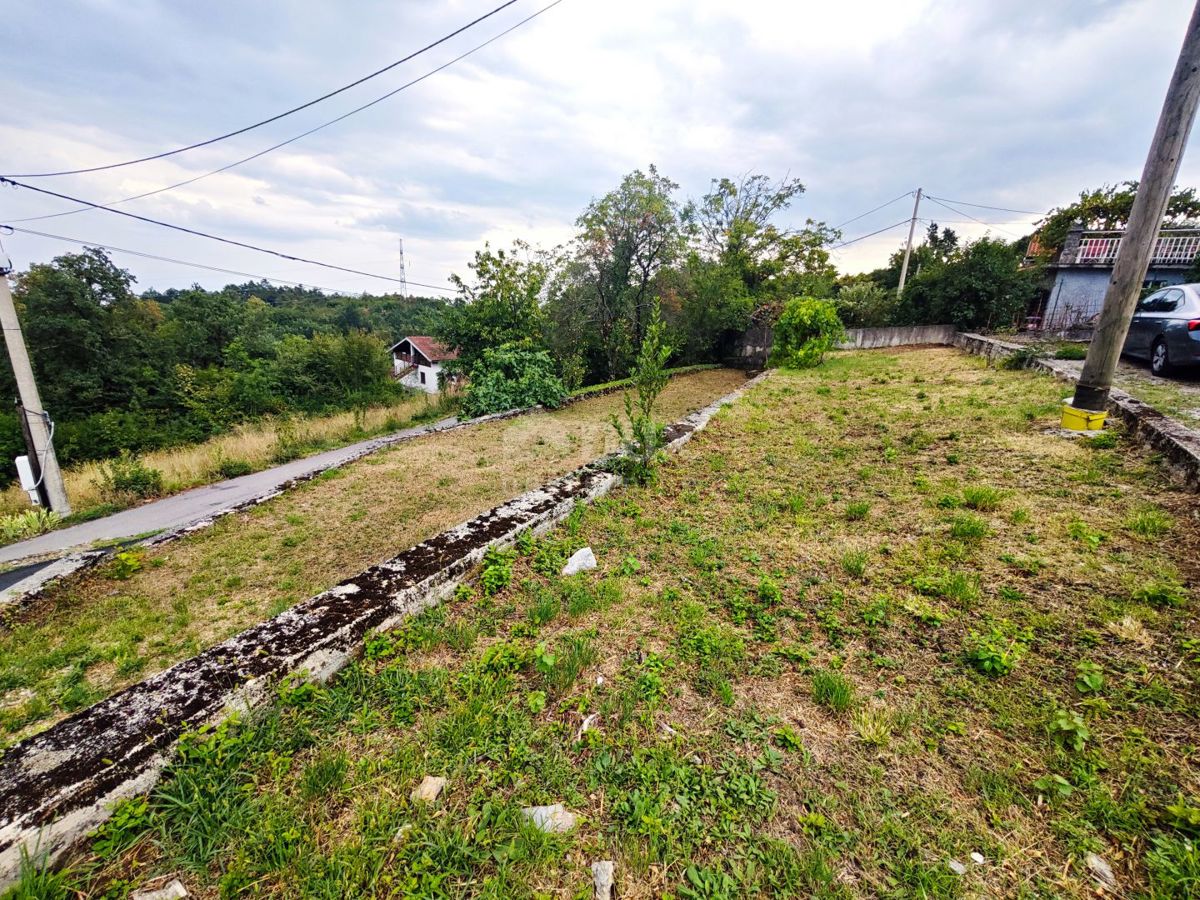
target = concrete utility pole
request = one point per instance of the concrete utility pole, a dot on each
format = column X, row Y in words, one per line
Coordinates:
column 31, row 402
column 912, row 226
column 1145, row 219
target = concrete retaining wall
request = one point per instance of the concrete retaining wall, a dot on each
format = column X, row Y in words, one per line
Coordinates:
column 872, row 338
column 60, row 785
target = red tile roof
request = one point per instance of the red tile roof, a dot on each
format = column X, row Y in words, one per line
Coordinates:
column 429, row 348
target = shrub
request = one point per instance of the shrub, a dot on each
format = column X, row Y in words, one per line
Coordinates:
column 1072, row 351
column 512, row 377
column 31, row 522
column 645, row 438
column 994, row 654
column 865, row 304
column 127, row 478
column 806, row 330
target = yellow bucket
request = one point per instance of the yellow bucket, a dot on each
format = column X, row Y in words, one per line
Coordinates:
column 1081, row 419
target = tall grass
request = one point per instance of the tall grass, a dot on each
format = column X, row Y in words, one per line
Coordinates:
column 250, row 447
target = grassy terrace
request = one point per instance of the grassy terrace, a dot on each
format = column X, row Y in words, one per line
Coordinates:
column 877, row 618
column 110, row 627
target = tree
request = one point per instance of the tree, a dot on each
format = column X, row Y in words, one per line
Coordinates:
column 501, row 305
column 862, row 303
column 1107, row 208
column 745, row 262
column 626, row 239
column 644, row 439
column 981, row 285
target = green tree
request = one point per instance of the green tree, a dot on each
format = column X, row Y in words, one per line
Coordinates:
column 501, row 305
column 641, row 433
column 980, row 286
column 862, row 303
column 1107, row 208
column 627, row 239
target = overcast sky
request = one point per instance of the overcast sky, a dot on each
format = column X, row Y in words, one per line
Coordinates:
column 1012, row 104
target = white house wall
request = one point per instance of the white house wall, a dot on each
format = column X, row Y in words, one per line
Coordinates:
column 413, row 378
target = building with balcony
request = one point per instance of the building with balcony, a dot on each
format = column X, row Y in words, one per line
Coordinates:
column 1084, row 267
column 417, row 363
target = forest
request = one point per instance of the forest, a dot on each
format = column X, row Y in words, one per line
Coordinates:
column 122, row 370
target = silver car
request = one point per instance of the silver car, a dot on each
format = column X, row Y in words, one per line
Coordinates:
column 1166, row 329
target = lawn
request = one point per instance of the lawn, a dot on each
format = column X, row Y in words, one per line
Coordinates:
column 879, row 631
column 143, row 611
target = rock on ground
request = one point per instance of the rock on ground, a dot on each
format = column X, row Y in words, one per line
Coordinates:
column 1100, row 871
column 602, row 878
column 428, row 790
column 553, row 819
column 173, row 891
column 580, row 561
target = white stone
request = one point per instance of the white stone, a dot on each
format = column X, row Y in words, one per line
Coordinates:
column 401, row 834
column 173, row 891
column 977, row 858
column 956, row 867
column 580, row 561
column 599, row 683
column 1100, row 871
column 602, row 878
column 428, row 790
column 552, row 819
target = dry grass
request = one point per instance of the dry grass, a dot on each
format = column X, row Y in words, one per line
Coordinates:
column 254, row 444
column 715, row 768
column 94, row 634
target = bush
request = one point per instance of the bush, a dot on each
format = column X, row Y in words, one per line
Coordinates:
column 31, row 522
column 512, row 377
column 1072, row 351
column 865, row 304
column 644, row 439
column 127, row 478
column 807, row 328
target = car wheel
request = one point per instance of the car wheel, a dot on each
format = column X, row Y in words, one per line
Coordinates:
column 1160, row 363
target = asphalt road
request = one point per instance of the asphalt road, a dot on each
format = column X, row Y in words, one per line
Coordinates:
column 191, row 506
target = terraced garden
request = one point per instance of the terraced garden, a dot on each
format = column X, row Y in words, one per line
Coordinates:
column 879, row 631
column 98, row 632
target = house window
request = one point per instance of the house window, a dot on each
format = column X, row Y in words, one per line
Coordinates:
column 422, row 378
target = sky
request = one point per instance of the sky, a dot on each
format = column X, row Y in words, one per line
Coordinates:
column 1004, row 104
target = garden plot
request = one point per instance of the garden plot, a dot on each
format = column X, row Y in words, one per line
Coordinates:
column 102, row 630
column 878, row 631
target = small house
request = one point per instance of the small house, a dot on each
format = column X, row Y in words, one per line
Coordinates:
column 417, row 362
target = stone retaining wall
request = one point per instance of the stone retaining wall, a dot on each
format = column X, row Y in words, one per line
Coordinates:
column 872, row 338
column 60, row 785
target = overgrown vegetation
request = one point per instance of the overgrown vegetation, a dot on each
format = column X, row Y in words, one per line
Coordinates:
column 642, row 434
column 729, row 709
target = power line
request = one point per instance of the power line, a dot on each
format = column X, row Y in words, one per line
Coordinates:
column 1027, row 212
column 876, row 209
column 196, row 265
column 203, row 234
column 972, row 218
column 872, row 234
column 275, row 118
column 303, row 134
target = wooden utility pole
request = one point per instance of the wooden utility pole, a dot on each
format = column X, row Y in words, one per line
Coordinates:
column 1145, row 220
column 31, row 403
column 912, row 227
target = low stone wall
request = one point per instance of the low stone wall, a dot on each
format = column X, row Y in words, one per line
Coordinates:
column 873, row 338
column 60, row 785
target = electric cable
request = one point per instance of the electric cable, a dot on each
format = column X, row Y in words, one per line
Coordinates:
column 196, row 265
column 1027, row 212
column 203, row 234
column 303, row 134
column 872, row 234
column 275, row 118
column 972, row 218
column 869, row 211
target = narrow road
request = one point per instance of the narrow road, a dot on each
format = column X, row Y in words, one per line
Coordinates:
column 192, row 506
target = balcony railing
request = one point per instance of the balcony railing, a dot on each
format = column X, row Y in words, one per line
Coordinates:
column 1170, row 249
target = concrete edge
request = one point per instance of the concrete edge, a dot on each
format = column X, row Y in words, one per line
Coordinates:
column 60, row 785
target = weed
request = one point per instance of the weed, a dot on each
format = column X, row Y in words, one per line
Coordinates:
column 1103, row 440
column 854, row 563
column 1160, row 592
column 1054, row 786
column 832, row 690
column 31, row 522
column 1067, row 728
column 126, row 564
column 857, row 510
column 1089, row 679
column 995, row 653
column 920, row 610
column 969, row 527
column 877, row 613
column 873, row 724
column 126, row 479
column 497, row 570
column 981, row 497
column 1071, row 351
column 1085, row 534
column 1150, row 522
